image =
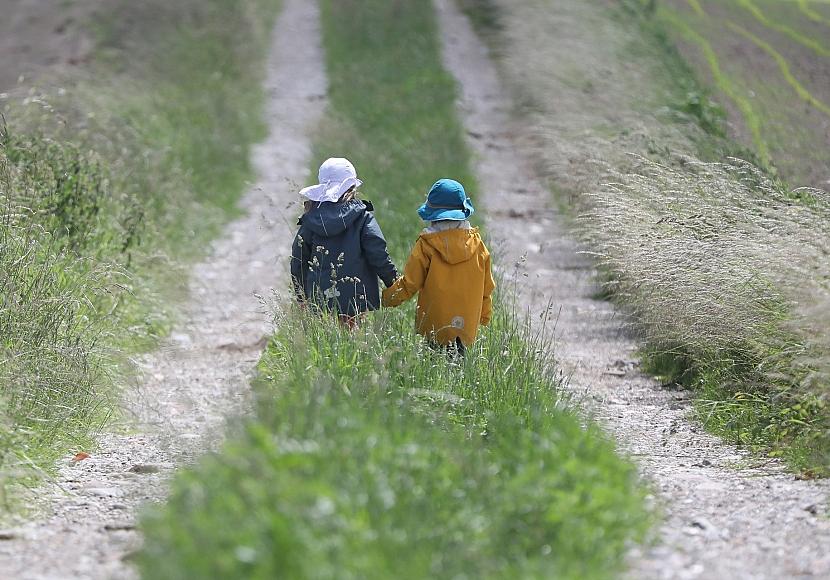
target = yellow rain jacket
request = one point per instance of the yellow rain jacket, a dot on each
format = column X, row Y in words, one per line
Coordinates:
column 451, row 271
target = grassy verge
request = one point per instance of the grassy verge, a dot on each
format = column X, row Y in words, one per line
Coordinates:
column 720, row 263
column 369, row 456
column 104, row 183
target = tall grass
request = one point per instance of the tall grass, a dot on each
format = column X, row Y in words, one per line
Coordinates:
column 723, row 258
column 722, row 266
column 370, row 455
column 55, row 297
column 107, row 179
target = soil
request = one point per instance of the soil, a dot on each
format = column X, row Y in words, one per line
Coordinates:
column 39, row 37
column 189, row 389
column 726, row 514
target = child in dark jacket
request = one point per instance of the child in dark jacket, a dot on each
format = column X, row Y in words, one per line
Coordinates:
column 339, row 251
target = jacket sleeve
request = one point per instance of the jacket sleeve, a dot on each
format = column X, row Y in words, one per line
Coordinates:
column 489, row 286
column 414, row 275
column 300, row 257
column 374, row 248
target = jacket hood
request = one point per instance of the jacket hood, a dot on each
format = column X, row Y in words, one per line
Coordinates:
column 330, row 219
column 455, row 246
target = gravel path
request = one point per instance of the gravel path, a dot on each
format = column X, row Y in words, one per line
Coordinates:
column 200, row 376
column 726, row 514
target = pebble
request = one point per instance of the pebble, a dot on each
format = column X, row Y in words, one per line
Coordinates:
column 104, row 491
column 181, row 339
column 812, row 509
column 144, row 468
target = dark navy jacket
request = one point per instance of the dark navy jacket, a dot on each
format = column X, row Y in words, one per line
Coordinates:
column 338, row 255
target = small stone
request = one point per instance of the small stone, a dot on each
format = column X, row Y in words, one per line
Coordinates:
column 118, row 506
column 6, row 535
column 700, row 523
column 119, row 526
column 811, row 509
column 144, row 468
column 104, row 491
column 181, row 339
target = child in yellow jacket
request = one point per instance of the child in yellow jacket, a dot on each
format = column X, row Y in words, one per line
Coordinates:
column 450, row 270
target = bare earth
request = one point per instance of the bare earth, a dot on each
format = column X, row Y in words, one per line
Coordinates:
column 41, row 36
column 190, row 386
column 726, row 514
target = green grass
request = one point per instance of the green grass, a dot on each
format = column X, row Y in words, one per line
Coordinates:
column 369, row 455
column 106, row 185
column 372, row 456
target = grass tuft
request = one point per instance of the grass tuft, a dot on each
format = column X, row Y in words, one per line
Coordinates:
column 722, row 258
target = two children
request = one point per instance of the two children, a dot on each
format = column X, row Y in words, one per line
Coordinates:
column 339, row 253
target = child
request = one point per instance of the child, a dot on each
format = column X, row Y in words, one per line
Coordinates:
column 339, row 251
column 450, row 270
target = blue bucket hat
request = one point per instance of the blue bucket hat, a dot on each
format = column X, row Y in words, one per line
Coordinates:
column 446, row 200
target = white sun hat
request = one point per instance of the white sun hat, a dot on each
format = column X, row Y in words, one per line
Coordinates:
column 336, row 176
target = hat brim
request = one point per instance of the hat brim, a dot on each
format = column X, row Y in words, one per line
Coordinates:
column 432, row 214
column 330, row 191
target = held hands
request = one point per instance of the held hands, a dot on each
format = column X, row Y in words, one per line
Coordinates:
column 390, row 293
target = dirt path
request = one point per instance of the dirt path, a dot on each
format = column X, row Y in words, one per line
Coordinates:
column 726, row 515
column 200, row 377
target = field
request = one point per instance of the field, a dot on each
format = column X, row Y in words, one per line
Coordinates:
column 769, row 64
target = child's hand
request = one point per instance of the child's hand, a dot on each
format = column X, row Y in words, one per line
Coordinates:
column 389, row 294
column 386, row 297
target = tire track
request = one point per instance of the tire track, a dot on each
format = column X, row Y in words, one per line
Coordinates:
column 804, row 7
column 723, row 82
